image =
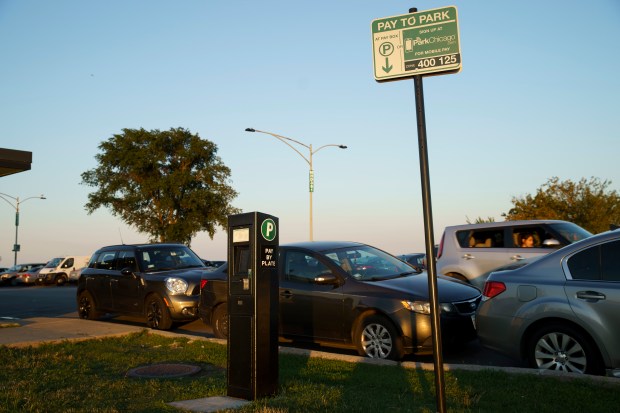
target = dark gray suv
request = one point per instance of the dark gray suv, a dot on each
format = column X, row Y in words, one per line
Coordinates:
column 158, row 281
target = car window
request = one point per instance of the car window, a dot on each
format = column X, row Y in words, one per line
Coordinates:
column 368, row 263
column 53, row 263
column 106, row 261
column 600, row 262
column 610, row 261
column 481, row 238
column 127, row 259
column 571, row 232
column 538, row 236
column 165, row 257
column 303, row 268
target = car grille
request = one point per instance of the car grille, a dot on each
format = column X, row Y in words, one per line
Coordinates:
column 469, row 306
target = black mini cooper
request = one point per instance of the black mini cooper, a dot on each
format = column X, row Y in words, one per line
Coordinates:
column 158, row 281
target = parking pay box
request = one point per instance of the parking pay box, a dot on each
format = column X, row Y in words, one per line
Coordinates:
column 252, row 305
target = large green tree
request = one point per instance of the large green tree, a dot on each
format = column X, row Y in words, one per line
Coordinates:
column 587, row 203
column 168, row 184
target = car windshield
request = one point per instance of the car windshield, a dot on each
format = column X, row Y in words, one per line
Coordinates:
column 53, row 263
column 163, row 258
column 366, row 263
column 571, row 232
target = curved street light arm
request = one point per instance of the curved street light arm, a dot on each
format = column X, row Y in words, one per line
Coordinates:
column 284, row 140
column 7, row 201
column 331, row 144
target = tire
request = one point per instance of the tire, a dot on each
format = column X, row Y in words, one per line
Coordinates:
column 86, row 307
column 60, row 280
column 563, row 348
column 376, row 337
column 219, row 321
column 157, row 314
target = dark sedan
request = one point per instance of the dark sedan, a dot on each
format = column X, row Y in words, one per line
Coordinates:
column 348, row 293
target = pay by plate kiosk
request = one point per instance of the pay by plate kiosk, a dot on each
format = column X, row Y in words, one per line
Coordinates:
column 252, row 305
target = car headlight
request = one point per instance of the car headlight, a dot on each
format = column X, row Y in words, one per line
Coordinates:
column 176, row 285
column 424, row 307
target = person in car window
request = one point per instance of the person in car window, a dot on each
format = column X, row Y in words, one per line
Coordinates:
column 527, row 240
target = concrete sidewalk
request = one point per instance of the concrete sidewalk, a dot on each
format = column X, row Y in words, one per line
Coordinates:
column 33, row 331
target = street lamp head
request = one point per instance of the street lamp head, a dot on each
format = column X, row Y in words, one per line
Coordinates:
column 250, row 130
column 342, row 146
column 42, row 197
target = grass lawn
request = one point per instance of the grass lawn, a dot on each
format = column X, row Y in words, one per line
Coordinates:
column 91, row 376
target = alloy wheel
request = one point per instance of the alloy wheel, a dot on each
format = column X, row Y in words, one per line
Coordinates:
column 559, row 351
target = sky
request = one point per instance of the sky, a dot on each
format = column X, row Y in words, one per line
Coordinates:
column 537, row 97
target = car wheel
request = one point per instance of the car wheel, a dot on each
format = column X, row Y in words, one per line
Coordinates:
column 60, row 280
column 563, row 348
column 219, row 322
column 376, row 337
column 157, row 314
column 86, row 307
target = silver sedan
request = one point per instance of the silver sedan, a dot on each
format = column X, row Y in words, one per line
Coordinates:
column 559, row 312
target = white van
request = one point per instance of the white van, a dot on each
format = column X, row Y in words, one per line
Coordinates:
column 57, row 270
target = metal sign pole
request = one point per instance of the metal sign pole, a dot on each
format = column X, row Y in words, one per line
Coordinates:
column 430, row 243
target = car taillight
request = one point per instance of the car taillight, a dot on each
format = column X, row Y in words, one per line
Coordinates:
column 493, row 289
column 203, row 283
column 440, row 250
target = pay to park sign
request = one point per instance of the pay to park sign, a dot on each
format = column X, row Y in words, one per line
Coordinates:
column 421, row 43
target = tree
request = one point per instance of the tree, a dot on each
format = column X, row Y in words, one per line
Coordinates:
column 479, row 220
column 587, row 203
column 170, row 184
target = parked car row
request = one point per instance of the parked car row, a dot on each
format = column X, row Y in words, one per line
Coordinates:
column 553, row 303
column 355, row 295
column 21, row 274
column 58, row 271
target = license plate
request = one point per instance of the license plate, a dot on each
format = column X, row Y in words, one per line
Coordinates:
column 473, row 320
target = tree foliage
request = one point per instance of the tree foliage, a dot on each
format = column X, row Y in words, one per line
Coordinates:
column 479, row 220
column 587, row 203
column 168, row 184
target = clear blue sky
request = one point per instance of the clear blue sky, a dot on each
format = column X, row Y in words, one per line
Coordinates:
column 537, row 97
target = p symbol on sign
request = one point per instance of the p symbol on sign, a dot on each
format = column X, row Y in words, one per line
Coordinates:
column 268, row 229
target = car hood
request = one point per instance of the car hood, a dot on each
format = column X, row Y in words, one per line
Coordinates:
column 189, row 274
column 448, row 290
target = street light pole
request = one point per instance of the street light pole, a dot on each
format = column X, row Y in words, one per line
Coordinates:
column 16, row 208
column 308, row 160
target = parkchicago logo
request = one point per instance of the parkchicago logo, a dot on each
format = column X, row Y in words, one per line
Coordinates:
column 411, row 43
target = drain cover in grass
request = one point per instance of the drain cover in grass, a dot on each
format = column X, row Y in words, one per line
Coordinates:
column 163, row 371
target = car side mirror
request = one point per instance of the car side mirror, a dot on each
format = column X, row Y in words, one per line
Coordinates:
column 326, row 279
column 551, row 243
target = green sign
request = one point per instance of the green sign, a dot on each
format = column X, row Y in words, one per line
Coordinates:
column 420, row 43
column 268, row 229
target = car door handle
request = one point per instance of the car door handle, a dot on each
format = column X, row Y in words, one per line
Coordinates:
column 468, row 256
column 517, row 258
column 286, row 294
column 590, row 295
